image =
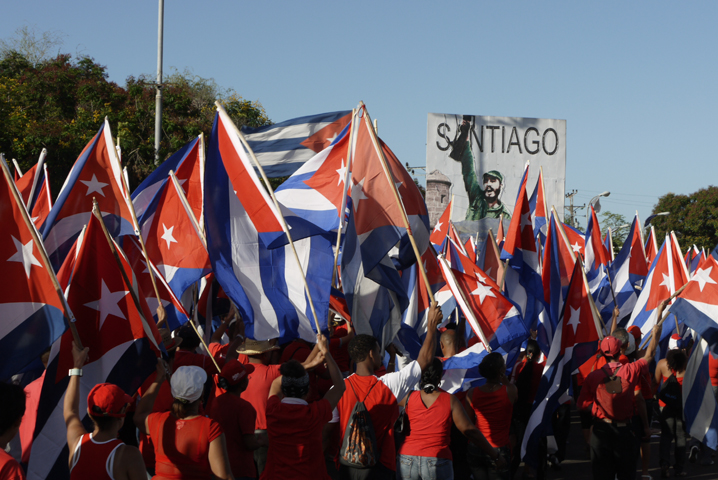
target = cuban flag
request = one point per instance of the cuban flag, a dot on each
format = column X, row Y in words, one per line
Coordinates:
column 173, row 239
column 112, row 320
column 241, row 223
column 43, row 201
column 188, row 165
column 33, row 312
column 577, row 240
column 651, row 247
column 283, row 147
column 489, row 259
column 492, row 317
column 539, row 209
column 95, row 174
column 668, row 273
column 697, row 304
column 608, row 245
column 470, row 247
column 461, row 372
column 575, row 341
column 414, row 318
column 441, row 230
column 29, row 184
column 699, row 402
column 694, row 258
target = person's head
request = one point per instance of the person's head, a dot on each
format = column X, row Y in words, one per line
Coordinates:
column 190, row 339
column 493, row 184
column 295, row 380
column 533, row 351
column 492, row 367
column 635, row 331
column 447, row 341
column 170, row 343
column 234, row 377
column 12, row 399
column 431, row 376
column 365, row 349
column 611, row 347
column 258, row 351
column 187, row 386
column 676, row 360
column 106, row 405
column 622, row 335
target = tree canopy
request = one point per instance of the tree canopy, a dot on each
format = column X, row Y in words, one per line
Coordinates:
column 693, row 217
column 60, row 103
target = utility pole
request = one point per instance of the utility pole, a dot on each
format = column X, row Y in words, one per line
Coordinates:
column 571, row 209
column 158, row 97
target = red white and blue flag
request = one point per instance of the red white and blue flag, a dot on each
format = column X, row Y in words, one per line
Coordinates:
column 700, row 408
column 651, row 247
column 96, row 174
column 489, row 259
column 441, row 229
column 539, row 209
column 697, row 305
column 28, row 184
column 43, row 201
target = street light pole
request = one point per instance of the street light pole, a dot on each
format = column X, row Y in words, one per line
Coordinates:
column 158, row 96
column 596, row 204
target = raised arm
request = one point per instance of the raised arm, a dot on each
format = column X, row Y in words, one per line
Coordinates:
column 465, row 426
column 656, row 334
column 71, row 406
column 144, row 408
column 614, row 319
column 428, row 348
column 335, row 393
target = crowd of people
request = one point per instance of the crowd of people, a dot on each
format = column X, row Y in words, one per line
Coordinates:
column 248, row 409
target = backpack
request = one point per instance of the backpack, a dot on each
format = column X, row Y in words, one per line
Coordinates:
column 359, row 446
column 614, row 396
column 672, row 395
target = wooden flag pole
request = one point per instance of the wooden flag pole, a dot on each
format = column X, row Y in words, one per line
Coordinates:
column 279, row 210
column 344, row 197
column 400, row 204
column 43, row 254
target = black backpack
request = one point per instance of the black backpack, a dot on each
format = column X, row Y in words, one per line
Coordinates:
column 359, row 447
column 672, row 395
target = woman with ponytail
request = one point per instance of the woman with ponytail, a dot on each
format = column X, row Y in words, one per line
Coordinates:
column 425, row 453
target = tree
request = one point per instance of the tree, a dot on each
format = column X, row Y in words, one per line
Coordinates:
column 34, row 48
column 614, row 221
column 693, row 217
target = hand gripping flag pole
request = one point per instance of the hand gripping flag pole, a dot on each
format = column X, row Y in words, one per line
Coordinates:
column 41, row 248
column 276, row 204
column 394, row 190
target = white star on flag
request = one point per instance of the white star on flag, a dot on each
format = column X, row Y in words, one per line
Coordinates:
column 94, row 185
column 481, row 279
column 341, row 172
column 334, row 137
column 358, row 194
column 24, row 255
column 167, row 235
column 483, row 291
column 525, row 220
column 574, row 318
column 398, row 184
column 703, row 276
column 666, row 282
column 108, row 303
column 576, row 247
column 437, row 227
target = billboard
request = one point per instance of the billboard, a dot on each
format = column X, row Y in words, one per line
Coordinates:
column 479, row 160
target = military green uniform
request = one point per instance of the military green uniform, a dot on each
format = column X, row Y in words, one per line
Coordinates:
column 478, row 207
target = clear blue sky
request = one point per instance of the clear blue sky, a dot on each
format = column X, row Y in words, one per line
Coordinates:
column 635, row 81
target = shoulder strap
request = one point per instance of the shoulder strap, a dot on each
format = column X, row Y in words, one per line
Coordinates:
column 367, row 393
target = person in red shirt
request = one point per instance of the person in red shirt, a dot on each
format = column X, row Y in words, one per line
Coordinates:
column 425, row 453
column 187, row 446
column 613, row 452
column 236, row 416
column 492, row 404
column 98, row 455
column 12, row 399
column 186, row 353
column 295, row 426
column 382, row 395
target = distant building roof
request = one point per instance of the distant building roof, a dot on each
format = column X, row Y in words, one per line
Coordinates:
column 437, row 177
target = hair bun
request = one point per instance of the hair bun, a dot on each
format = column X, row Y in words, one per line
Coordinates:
column 429, row 388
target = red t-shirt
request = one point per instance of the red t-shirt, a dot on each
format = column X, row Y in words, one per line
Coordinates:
column 182, row 446
column 184, row 358
column 295, row 439
column 27, row 427
column 430, row 431
column 163, row 403
column 493, row 415
column 9, row 468
column 260, row 381
column 631, row 372
column 236, row 417
column 713, row 369
column 340, row 353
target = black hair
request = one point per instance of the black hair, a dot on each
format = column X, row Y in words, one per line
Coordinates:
column 103, row 423
column 491, row 365
column 676, row 360
column 532, row 347
column 292, row 375
column 190, row 340
column 182, row 408
column 621, row 334
column 360, row 346
column 12, row 399
column 431, row 376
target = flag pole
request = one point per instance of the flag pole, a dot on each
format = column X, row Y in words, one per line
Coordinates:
column 69, row 316
column 344, row 198
column 400, row 204
column 279, row 211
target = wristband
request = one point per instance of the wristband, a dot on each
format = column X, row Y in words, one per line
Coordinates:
column 75, row 372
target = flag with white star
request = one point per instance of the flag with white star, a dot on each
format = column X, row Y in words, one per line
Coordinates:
column 668, row 273
column 96, row 174
column 697, row 305
column 31, row 308
column 441, row 229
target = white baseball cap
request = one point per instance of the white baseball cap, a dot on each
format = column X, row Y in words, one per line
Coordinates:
column 187, row 383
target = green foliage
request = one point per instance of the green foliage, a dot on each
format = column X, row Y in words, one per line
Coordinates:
column 614, row 221
column 60, row 104
column 693, row 217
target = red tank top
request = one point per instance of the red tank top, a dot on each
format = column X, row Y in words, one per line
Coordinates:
column 661, row 403
column 713, row 369
column 493, row 415
column 94, row 460
column 430, row 428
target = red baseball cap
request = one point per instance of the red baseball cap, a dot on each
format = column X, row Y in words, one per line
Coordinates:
column 234, row 371
column 108, row 400
column 611, row 346
column 635, row 330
